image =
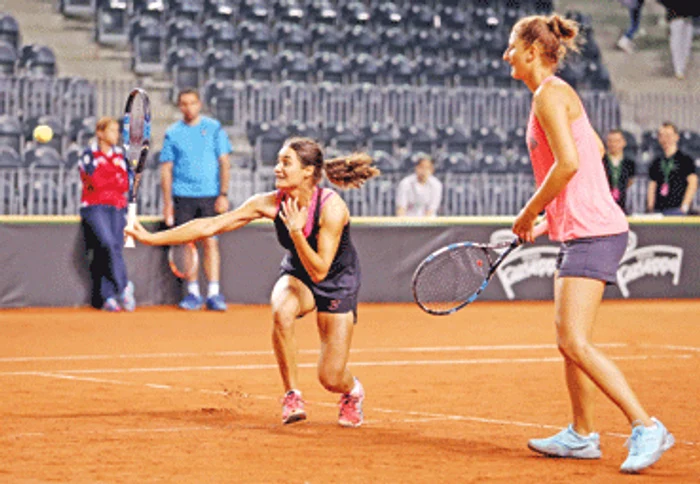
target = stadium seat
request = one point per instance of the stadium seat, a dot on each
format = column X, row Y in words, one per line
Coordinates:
column 382, row 138
column 366, row 68
column 489, row 140
column 112, row 22
column 294, row 66
column 455, row 163
column 183, row 32
column 255, row 10
column 419, row 140
column 468, row 72
column 343, row 139
column 400, row 70
column 220, row 34
column 255, row 35
column 267, row 144
column 421, row 16
column 291, row 37
column 11, row 132
column 191, row 9
column 148, row 46
column 37, row 60
column 434, row 71
column 387, row 14
column 187, row 71
column 77, row 8
column 452, row 17
column 454, row 140
column 322, row 12
column 330, row 67
column 8, row 59
column 355, row 12
column 690, row 143
column 491, row 163
column 219, row 9
column 428, row 43
column 362, row 39
column 259, row 65
column 9, row 30
column 289, row 11
column 81, row 130
column 154, row 9
column 73, row 155
column 223, row 65
column 43, row 156
column 327, row 38
column 306, row 130
column 386, row 162
column 457, row 45
column 9, row 157
column 394, row 41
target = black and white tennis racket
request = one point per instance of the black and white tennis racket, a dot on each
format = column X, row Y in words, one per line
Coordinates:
column 136, row 137
column 455, row 275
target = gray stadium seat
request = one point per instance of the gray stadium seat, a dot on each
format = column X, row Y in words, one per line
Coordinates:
column 9, row 30
column 8, row 59
column 112, row 22
column 11, row 132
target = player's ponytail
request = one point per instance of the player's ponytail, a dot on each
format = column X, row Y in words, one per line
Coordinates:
column 347, row 171
column 555, row 35
column 350, row 171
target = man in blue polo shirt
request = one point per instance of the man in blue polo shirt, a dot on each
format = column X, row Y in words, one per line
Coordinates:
column 195, row 172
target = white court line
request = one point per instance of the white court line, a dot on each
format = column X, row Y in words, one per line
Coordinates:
column 673, row 347
column 417, row 416
column 482, row 361
column 416, row 349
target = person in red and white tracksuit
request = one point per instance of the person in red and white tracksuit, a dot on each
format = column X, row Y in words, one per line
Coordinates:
column 106, row 178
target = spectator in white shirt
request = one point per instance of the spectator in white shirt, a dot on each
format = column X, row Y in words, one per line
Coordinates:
column 419, row 194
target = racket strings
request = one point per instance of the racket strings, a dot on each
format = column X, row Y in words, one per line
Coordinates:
column 451, row 278
column 183, row 260
column 137, row 128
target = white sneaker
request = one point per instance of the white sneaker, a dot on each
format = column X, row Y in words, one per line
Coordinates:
column 625, row 44
column 568, row 443
column 646, row 444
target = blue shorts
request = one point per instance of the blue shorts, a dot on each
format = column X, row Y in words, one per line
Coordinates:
column 592, row 257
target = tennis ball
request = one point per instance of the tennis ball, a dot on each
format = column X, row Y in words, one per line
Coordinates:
column 43, row 133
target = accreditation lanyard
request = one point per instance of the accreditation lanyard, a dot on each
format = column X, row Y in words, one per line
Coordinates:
column 615, row 172
column 667, row 166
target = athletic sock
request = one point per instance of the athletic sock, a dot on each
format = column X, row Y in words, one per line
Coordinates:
column 213, row 289
column 193, row 288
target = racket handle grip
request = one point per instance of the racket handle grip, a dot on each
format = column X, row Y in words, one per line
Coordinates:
column 130, row 219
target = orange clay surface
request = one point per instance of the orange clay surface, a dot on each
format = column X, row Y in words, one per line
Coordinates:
column 161, row 395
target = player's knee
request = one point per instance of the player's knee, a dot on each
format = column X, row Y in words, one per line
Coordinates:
column 331, row 378
column 282, row 317
column 572, row 348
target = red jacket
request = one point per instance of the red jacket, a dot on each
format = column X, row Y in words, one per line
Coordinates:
column 105, row 177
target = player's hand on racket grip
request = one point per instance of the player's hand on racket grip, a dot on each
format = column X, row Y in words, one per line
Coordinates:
column 524, row 224
column 138, row 232
column 293, row 216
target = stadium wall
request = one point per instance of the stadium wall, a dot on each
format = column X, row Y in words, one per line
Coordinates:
column 45, row 264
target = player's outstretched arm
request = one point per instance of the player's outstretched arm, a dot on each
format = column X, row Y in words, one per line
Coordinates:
column 258, row 206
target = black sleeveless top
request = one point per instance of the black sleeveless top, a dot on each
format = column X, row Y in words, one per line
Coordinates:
column 343, row 277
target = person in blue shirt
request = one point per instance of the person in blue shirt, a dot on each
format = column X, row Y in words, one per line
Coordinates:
column 195, row 170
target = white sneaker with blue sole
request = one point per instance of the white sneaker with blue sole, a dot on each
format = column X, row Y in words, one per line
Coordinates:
column 569, row 444
column 646, row 445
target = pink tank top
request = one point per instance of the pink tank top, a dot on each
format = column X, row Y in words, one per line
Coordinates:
column 324, row 194
column 585, row 207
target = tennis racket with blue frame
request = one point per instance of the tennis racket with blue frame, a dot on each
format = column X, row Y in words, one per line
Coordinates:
column 452, row 277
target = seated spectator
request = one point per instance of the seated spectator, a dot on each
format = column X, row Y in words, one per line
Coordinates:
column 672, row 177
column 620, row 170
column 419, row 194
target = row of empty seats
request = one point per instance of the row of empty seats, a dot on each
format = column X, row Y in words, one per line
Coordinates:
column 15, row 58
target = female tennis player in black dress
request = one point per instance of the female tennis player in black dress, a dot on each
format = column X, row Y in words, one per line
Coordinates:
column 321, row 269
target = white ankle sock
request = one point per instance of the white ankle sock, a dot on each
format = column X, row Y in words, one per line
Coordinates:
column 213, row 289
column 193, row 288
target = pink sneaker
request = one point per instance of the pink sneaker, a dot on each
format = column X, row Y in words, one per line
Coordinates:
column 293, row 407
column 350, row 414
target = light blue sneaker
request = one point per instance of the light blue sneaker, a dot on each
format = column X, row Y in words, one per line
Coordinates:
column 216, row 303
column 127, row 299
column 191, row 302
column 111, row 305
column 646, row 444
column 568, row 443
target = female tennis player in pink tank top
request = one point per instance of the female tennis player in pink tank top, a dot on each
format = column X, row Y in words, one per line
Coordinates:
column 580, row 214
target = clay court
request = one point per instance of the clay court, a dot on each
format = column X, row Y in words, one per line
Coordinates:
column 160, row 395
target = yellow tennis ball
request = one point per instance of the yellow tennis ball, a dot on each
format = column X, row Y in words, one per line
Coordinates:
column 43, row 133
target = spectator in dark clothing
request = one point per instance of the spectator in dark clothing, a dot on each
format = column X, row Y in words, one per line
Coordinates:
column 673, row 180
column 620, row 170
